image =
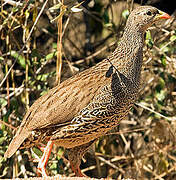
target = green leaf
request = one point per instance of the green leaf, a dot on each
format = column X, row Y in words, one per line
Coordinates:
column 27, row 13
column 15, row 9
column 5, row 171
column 60, row 153
column 164, row 48
column 51, row 55
column 54, row 45
column 20, row 59
column 149, row 40
column 1, row 58
column 2, row 139
column 161, row 83
column 173, row 38
column 53, row 166
column 163, row 60
column 161, row 95
column 163, row 165
column 3, row 102
column 43, row 92
column 37, row 151
column 43, row 77
column 125, row 14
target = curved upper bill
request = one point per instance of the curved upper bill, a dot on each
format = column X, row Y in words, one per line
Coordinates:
column 162, row 15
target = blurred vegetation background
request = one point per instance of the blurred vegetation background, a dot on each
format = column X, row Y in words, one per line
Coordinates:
column 42, row 43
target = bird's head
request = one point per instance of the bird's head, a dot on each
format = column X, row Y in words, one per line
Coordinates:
column 144, row 16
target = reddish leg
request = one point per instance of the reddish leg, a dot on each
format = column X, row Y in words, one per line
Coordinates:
column 77, row 171
column 44, row 159
column 75, row 154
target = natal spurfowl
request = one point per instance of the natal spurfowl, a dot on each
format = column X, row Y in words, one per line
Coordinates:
column 84, row 107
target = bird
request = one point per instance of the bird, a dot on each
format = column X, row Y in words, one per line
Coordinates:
column 75, row 113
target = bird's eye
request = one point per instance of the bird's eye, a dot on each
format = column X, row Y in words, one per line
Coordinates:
column 149, row 13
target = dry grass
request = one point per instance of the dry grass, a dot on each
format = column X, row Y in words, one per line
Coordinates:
column 143, row 145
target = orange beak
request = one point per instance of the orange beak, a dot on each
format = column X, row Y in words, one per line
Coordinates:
column 162, row 15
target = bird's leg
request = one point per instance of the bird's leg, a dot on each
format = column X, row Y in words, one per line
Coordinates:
column 75, row 155
column 44, row 159
column 77, row 170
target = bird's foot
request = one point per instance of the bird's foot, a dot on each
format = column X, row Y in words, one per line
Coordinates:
column 77, row 171
column 44, row 159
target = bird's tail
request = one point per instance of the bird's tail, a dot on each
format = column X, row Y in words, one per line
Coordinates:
column 18, row 139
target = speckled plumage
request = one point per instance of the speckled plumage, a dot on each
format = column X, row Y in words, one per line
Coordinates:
column 81, row 109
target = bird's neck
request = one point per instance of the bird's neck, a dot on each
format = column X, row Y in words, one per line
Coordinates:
column 128, row 55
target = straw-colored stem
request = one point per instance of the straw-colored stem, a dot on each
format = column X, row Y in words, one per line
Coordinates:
column 59, row 50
